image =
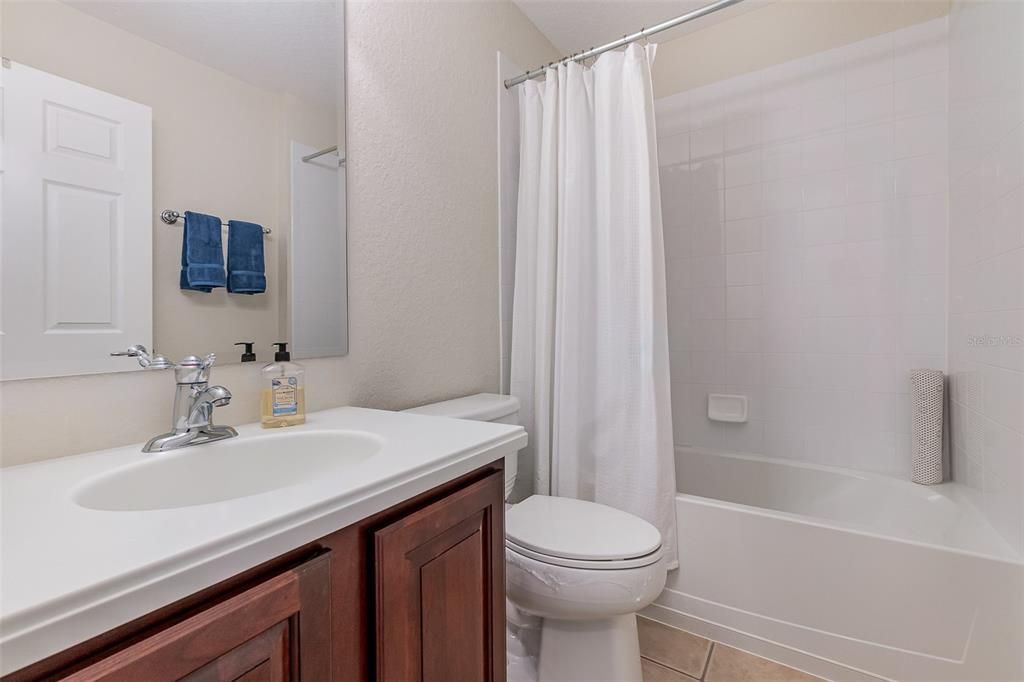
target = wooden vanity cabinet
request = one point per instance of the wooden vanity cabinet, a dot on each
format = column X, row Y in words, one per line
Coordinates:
column 416, row 592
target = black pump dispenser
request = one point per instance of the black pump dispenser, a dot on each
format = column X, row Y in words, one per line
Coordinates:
column 248, row 355
column 282, row 354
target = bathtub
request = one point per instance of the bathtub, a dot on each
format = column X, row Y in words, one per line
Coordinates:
column 846, row 575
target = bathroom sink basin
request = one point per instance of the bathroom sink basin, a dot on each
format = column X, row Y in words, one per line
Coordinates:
column 227, row 470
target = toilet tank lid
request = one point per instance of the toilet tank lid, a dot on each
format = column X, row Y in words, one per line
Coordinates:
column 479, row 407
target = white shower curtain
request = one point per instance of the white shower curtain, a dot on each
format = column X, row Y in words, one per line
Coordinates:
column 589, row 331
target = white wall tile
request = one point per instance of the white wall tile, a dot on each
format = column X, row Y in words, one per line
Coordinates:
column 781, row 231
column 920, row 175
column 870, row 143
column 822, row 115
column 744, row 369
column 925, row 214
column 707, row 367
column 707, row 240
column 677, row 242
column 873, row 221
column 921, row 94
column 707, row 303
column 744, row 269
column 869, row 106
column 706, row 142
column 743, row 336
column 706, row 175
column 703, row 207
column 780, row 160
column 673, row 149
column 871, row 183
column 744, row 236
column 986, row 324
column 743, row 168
column 816, row 258
column 708, row 271
column 742, row 133
column 824, row 226
column 743, row 302
column 919, row 135
column 822, row 190
column 823, row 153
column 742, row 202
column 781, row 124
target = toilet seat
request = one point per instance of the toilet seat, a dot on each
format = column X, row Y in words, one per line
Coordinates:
column 593, row 565
column 562, row 531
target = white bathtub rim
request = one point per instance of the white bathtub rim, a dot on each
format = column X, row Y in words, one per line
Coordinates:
column 800, row 463
column 843, row 527
column 1009, row 556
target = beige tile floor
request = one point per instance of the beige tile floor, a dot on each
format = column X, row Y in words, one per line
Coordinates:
column 672, row 655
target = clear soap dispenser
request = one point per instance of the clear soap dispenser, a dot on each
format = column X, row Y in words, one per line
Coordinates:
column 284, row 391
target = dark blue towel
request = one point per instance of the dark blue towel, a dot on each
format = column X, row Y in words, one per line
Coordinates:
column 202, row 260
column 245, row 258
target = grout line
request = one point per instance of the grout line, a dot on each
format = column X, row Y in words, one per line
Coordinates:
column 707, row 661
column 668, row 667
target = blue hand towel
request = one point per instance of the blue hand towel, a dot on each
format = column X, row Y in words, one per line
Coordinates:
column 202, row 260
column 245, row 258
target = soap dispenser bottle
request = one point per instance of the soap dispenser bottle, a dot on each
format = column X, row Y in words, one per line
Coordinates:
column 247, row 354
column 284, row 392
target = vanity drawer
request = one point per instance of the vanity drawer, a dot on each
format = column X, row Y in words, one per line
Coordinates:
column 260, row 634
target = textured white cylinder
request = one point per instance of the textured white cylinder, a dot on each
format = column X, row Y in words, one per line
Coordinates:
column 926, row 428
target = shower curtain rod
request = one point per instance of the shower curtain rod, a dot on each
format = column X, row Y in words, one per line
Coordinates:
column 626, row 40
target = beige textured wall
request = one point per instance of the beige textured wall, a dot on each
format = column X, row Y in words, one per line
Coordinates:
column 779, row 32
column 423, row 256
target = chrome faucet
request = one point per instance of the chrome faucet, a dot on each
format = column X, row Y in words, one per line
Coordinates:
column 194, row 400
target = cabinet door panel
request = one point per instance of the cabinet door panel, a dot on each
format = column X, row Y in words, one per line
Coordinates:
column 440, row 583
column 264, row 657
column 453, row 612
column 254, row 635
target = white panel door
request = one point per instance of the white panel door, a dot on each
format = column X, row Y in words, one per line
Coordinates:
column 77, row 258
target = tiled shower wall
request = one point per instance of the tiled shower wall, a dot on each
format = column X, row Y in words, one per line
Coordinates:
column 986, row 332
column 805, row 212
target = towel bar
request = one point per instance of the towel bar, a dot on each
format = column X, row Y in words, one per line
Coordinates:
column 171, row 217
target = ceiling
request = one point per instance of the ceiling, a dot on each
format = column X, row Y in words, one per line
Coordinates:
column 575, row 25
column 279, row 45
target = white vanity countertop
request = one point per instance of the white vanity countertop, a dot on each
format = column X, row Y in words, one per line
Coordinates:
column 70, row 573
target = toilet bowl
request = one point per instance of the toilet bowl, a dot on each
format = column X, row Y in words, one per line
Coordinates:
column 583, row 568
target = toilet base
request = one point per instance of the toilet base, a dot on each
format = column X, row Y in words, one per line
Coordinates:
column 599, row 650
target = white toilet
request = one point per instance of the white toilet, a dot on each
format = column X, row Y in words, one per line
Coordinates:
column 584, row 568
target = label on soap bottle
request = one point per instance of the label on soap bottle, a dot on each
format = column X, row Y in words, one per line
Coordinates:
column 285, row 396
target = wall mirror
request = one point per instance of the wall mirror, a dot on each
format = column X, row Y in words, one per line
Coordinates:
column 118, row 112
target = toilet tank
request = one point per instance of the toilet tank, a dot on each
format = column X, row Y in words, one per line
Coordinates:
column 484, row 407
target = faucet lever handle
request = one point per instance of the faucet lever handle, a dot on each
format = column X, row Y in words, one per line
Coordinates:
column 209, row 360
column 147, row 361
column 131, row 352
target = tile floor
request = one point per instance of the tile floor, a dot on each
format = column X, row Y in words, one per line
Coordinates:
column 673, row 655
